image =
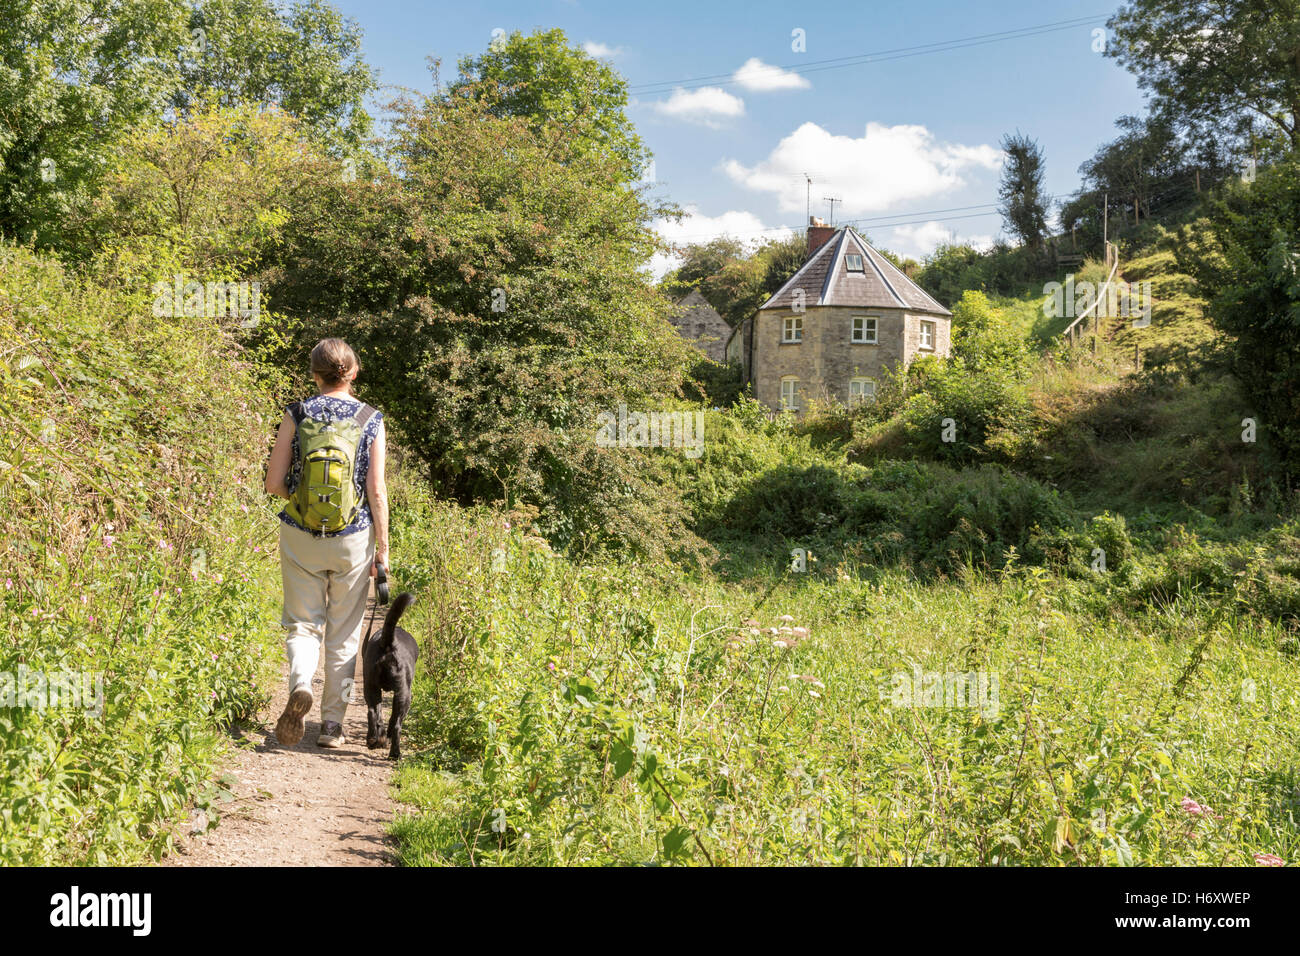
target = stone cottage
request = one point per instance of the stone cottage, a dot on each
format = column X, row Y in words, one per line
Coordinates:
column 836, row 325
column 701, row 325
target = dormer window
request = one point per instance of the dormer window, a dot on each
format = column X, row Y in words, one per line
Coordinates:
column 853, row 262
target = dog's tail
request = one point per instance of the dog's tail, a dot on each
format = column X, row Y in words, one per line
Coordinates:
column 400, row 604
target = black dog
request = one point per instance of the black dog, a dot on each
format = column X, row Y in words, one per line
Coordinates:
column 389, row 664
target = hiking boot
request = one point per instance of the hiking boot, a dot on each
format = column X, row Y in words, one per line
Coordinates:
column 290, row 728
column 331, row 735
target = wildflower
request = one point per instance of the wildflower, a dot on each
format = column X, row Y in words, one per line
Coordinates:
column 9, row 584
column 786, row 619
column 781, row 644
column 1269, row 859
column 751, row 623
column 163, row 546
column 1193, row 809
column 800, row 632
column 108, row 540
column 813, row 693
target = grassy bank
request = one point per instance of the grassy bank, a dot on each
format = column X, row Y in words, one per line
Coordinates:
column 135, row 565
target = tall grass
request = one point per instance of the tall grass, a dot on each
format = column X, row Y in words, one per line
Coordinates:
column 623, row 714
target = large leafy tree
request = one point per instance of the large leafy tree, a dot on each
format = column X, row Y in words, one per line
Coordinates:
column 1216, row 63
column 74, row 75
column 1248, row 266
column 509, row 311
column 542, row 78
column 304, row 59
column 1024, row 202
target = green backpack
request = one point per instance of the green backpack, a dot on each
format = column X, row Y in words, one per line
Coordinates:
column 326, row 499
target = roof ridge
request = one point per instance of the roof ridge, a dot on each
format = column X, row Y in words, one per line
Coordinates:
column 867, row 249
column 835, row 263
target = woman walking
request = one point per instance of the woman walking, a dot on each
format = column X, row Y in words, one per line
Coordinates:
column 328, row 463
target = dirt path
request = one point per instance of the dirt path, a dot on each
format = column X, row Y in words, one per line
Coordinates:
column 303, row 805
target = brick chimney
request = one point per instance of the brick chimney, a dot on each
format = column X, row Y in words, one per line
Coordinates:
column 818, row 233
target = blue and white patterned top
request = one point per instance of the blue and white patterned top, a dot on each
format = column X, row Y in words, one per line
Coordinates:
column 333, row 409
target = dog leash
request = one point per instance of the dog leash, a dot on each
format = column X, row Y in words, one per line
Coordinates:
column 381, row 594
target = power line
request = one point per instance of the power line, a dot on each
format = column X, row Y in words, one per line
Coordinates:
column 834, row 63
column 879, row 223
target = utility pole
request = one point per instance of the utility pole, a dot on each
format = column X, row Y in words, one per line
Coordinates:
column 1105, row 222
column 832, row 200
column 807, row 211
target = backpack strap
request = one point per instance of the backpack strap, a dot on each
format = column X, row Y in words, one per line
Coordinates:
column 364, row 414
column 297, row 410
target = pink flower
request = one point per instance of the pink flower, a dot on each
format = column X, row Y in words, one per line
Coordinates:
column 1194, row 809
column 108, row 540
column 1269, row 859
column 164, row 546
column 9, row 584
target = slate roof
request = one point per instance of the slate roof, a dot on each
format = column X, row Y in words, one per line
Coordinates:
column 826, row 281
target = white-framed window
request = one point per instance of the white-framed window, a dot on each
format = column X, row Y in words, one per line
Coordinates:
column 792, row 329
column 789, row 393
column 853, row 262
column 864, row 329
column 861, row 391
column 927, row 336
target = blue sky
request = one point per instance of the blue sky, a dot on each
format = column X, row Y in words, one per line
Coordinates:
column 912, row 140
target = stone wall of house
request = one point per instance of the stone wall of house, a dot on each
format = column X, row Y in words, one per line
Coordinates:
column 827, row 358
column 701, row 325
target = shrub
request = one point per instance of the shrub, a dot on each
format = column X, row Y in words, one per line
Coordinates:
column 131, row 457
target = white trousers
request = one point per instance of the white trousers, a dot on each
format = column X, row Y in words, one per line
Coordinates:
column 326, row 585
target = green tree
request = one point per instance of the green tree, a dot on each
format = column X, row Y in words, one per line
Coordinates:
column 76, row 74
column 1216, row 63
column 1024, row 203
column 1248, row 266
column 986, row 338
column 509, row 312
column 305, row 59
column 541, row 77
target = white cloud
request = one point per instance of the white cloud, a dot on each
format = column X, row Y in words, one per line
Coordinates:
column 761, row 77
column 922, row 239
column 695, row 228
column 707, row 105
column 873, row 173
column 602, row 51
